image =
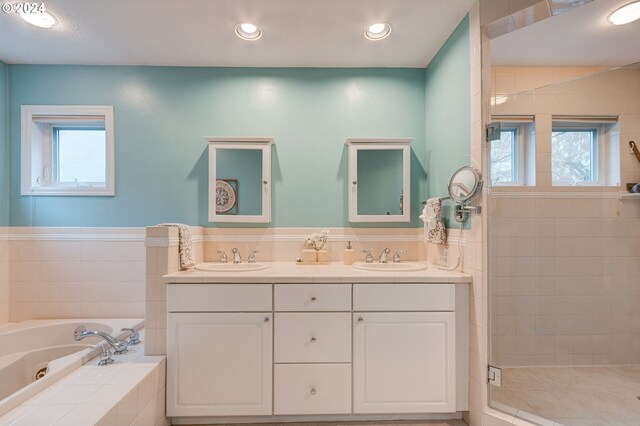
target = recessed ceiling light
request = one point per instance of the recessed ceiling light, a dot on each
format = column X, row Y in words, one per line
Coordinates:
column 625, row 14
column 40, row 19
column 248, row 31
column 378, row 31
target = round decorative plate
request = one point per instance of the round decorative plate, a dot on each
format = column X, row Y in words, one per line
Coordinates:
column 225, row 196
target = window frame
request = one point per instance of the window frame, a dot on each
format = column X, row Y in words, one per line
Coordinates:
column 597, row 160
column 37, row 149
column 517, row 161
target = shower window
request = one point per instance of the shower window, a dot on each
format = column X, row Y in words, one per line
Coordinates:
column 504, row 165
column 575, row 154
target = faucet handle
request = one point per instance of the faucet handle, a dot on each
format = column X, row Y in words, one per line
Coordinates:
column 105, row 356
column 134, row 337
column 252, row 256
column 396, row 257
column 223, row 256
column 369, row 257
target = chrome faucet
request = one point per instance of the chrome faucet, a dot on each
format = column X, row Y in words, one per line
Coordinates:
column 223, row 256
column 396, row 257
column 252, row 256
column 236, row 255
column 119, row 346
column 369, row 257
column 383, row 255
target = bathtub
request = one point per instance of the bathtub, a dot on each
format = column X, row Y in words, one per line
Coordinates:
column 35, row 354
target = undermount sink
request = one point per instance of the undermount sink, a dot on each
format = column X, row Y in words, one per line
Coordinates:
column 390, row 267
column 230, row 267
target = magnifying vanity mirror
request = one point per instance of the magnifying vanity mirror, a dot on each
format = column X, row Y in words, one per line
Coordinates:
column 464, row 187
column 379, row 178
column 240, row 179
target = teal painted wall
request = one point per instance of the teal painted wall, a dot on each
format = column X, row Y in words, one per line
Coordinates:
column 448, row 113
column 4, row 147
column 162, row 115
column 245, row 166
column 379, row 182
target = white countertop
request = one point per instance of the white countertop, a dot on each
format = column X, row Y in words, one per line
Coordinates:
column 290, row 272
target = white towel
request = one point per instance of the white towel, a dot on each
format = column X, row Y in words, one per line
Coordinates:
column 185, row 246
column 434, row 230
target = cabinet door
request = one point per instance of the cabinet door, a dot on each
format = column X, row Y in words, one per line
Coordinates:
column 219, row 364
column 404, row 362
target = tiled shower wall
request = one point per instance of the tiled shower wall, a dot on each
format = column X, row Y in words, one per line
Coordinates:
column 565, row 262
column 73, row 273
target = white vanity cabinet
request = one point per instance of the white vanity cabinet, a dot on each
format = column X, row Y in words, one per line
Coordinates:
column 219, row 363
column 344, row 351
column 404, row 346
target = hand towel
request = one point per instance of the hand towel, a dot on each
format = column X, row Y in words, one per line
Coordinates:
column 185, row 245
column 434, row 230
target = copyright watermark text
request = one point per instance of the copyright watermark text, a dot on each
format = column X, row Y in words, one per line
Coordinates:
column 21, row 7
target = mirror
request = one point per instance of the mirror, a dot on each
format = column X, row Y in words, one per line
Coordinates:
column 239, row 180
column 379, row 180
column 465, row 185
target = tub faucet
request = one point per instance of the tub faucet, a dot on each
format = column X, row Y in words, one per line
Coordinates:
column 236, row 255
column 119, row 346
column 383, row 255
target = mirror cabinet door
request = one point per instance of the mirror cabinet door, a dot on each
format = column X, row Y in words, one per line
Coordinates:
column 239, row 181
column 379, row 180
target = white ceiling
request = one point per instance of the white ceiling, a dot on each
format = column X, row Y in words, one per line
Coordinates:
column 296, row 33
column 580, row 37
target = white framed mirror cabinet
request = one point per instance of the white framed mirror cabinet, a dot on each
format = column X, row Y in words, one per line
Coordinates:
column 239, row 179
column 379, row 179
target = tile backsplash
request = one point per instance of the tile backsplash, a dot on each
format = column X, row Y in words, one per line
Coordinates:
column 74, row 273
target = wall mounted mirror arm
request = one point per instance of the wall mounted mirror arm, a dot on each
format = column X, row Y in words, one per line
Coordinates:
column 464, row 187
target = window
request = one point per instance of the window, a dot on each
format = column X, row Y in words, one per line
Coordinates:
column 575, row 155
column 504, row 157
column 585, row 151
column 67, row 150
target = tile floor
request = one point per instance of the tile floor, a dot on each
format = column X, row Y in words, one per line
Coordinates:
column 572, row 396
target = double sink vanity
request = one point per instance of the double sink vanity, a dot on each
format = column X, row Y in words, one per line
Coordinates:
column 279, row 341
column 282, row 341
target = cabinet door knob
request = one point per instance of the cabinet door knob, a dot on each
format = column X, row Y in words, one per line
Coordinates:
column 267, row 319
column 360, row 319
column 313, row 340
column 313, row 298
column 313, row 391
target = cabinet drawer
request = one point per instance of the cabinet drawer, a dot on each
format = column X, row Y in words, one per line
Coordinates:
column 312, row 389
column 310, row 337
column 312, row 297
column 219, row 297
column 404, row 297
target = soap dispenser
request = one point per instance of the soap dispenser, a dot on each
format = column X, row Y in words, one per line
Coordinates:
column 349, row 254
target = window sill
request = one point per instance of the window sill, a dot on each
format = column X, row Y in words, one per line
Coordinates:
column 70, row 192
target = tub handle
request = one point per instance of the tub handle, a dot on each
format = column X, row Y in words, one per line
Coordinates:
column 134, row 337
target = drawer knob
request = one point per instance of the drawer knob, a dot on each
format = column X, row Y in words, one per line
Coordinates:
column 313, row 298
column 313, row 391
column 313, row 340
column 360, row 319
column 266, row 319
